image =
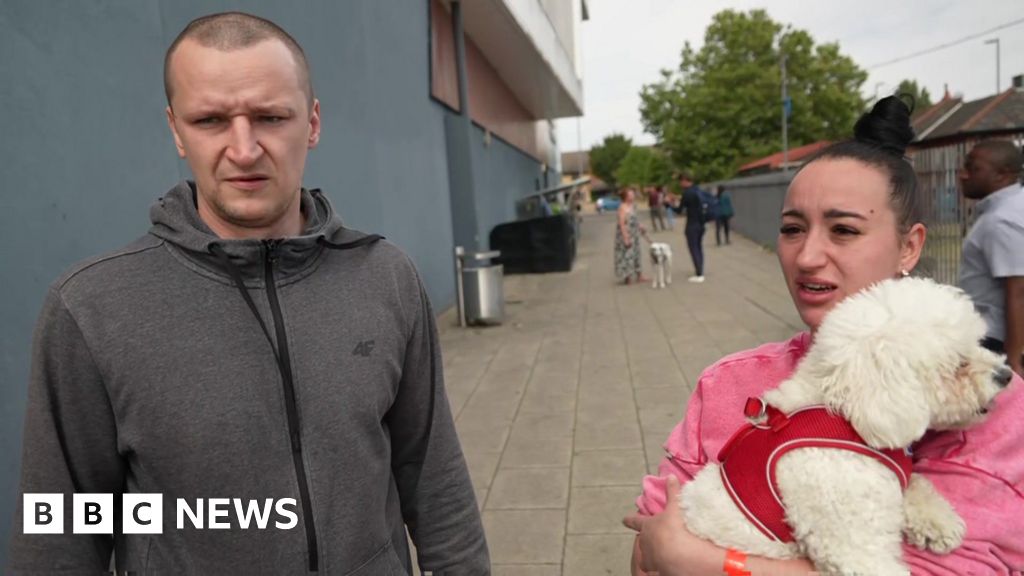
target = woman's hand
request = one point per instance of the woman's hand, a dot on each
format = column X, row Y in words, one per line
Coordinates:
column 664, row 546
column 664, row 542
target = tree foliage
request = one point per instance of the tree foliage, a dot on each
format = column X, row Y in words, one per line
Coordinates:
column 722, row 107
column 606, row 157
column 922, row 100
column 643, row 166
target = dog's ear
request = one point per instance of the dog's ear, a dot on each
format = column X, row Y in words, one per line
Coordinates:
column 879, row 394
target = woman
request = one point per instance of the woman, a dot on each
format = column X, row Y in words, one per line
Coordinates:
column 725, row 213
column 851, row 217
column 627, row 240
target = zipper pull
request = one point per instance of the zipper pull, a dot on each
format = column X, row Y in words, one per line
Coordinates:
column 271, row 246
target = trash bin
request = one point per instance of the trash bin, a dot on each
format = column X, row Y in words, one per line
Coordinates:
column 481, row 285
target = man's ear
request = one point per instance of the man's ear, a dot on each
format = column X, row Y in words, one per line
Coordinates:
column 174, row 132
column 314, row 125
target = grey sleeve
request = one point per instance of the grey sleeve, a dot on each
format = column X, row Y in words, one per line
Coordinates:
column 1005, row 252
column 70, row 446
column 437, row 498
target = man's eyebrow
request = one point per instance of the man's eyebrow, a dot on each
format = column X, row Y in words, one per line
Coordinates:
column 275, row 109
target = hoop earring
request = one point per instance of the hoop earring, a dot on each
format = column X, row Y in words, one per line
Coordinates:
column 904, row 273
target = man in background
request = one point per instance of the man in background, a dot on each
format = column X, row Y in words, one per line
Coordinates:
column 694, row 206
column 656, row 203
column 992, row 263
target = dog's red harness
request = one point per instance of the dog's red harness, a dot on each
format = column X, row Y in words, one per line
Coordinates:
column 750, row 456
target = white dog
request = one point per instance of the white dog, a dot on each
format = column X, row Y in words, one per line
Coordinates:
column 894, row 361
column 661, row 260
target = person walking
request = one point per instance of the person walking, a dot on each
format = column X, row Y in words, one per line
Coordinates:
column 668, row 201
column 992, row 261
column 725, row 214
column 656, row 204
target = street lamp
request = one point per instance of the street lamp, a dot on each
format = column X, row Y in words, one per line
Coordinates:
column 996, row 42
column 877, row 86
column 787, row 107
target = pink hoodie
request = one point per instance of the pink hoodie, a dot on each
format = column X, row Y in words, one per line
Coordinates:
column 980, row 471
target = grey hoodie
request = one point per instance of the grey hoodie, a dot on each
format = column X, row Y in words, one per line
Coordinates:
column 155, row 371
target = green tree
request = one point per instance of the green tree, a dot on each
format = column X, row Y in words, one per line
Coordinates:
column 922, row 100
column 606, row 157
column 722, row 107
column 643, row 166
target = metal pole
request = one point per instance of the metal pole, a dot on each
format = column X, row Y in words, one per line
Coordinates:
column 460, row 59
column 785, row 119
column 998, row 87
column 460, row 295
column 579, row 148
column 996, row 42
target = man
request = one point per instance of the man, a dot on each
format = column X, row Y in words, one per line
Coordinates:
column 693, row 205
column 248, row 347
column 992, row 264
column 656, row 202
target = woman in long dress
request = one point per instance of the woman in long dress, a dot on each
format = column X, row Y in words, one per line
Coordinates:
column 627, row 240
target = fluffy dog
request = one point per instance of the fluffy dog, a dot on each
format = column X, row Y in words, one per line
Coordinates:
column 661, row 260
column 894, row 361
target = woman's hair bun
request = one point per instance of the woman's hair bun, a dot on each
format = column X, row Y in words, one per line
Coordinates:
column 887, row 125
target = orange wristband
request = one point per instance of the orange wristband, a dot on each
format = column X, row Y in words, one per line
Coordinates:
column 735, row 563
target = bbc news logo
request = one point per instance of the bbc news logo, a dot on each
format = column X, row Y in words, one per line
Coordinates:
column 143, row 514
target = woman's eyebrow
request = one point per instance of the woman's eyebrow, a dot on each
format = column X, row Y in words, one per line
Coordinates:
column 835, row 213
column 831, row 214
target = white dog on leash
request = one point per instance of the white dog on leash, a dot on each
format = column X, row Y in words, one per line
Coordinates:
column 887, row 364
column 661, row 260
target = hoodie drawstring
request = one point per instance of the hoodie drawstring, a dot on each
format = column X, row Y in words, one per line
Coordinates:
column 236, row 275
column 219, row 252
column 368, row 239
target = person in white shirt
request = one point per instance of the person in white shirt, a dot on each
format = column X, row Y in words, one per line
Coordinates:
column 992, row 262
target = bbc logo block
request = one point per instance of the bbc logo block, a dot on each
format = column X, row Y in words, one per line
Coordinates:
column 44, row 514
column 142, row 514
column 93, row 514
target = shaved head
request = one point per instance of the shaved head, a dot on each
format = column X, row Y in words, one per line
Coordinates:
column 1005, row 157
column 229, row 31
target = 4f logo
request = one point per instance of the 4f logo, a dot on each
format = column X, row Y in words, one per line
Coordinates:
column 363, row 349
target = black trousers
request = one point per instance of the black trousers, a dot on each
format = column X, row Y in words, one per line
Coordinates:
column 721, row 223
column 694, row 235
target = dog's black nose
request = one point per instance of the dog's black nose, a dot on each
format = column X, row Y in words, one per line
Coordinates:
column 1003, row 376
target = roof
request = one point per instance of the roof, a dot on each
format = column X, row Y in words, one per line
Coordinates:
column 952, row 118
column 924, row 120
column 774, row 162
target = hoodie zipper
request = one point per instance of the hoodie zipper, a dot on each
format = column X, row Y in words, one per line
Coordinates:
column 285, row 366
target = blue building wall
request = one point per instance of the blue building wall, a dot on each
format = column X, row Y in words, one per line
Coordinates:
column 86, row 148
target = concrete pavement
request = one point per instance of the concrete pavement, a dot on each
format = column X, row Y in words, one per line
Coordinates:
column 564, row 408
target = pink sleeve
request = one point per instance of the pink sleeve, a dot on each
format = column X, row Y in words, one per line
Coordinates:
column 984, row 481
column 685, row 455
column 994, row 514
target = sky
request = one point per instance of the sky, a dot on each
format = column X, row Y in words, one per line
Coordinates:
column 626, row 43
